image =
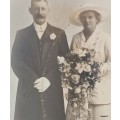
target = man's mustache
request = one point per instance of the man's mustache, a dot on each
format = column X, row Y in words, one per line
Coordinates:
column 40, row 16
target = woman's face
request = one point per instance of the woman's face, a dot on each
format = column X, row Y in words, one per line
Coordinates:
column 88, row 20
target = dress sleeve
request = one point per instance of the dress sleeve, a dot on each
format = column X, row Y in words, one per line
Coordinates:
column 74, row 43
column 108, row 49
column 108, row 53
column 106, row 68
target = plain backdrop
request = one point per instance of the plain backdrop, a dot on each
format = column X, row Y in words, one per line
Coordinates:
column 60, row 10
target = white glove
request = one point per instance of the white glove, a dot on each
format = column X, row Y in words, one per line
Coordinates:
column 42, row 84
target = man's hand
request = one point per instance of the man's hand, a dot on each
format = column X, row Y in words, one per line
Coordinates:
column 42, row 84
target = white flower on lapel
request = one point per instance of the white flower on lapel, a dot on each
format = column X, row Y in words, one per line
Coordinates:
column 52, row 36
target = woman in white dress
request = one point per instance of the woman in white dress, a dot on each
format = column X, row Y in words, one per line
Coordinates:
column 90, row 37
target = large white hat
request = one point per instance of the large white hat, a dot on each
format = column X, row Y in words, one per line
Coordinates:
column 75, row 20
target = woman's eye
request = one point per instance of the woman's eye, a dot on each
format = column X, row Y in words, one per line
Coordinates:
column 90, row 17
column 43, row 8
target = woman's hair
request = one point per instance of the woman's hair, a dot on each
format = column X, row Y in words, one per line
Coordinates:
column 97, row 15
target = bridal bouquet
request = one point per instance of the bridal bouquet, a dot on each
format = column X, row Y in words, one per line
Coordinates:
column 79, row 73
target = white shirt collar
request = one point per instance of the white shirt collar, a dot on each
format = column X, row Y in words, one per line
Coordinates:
column 40, row 28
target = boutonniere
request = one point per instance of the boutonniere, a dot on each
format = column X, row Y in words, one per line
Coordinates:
column 52, row 36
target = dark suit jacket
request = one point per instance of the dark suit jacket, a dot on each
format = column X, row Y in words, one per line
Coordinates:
column 29, row 58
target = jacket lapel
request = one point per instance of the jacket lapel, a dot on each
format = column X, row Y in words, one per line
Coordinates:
column 34, row 41
column 47, row 44
column 33, row 38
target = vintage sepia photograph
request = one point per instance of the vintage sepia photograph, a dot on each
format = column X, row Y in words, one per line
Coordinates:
column 60, row 60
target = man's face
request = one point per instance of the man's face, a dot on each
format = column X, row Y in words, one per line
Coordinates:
column 88, row 20
column 39, row 11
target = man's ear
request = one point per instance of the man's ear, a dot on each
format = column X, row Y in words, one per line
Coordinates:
column 30, row 11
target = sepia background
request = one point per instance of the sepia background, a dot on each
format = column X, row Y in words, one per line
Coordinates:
column 60, row 10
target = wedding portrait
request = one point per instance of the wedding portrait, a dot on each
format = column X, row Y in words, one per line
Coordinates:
column 60, row 60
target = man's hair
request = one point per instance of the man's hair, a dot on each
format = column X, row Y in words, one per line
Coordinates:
column 38, row 1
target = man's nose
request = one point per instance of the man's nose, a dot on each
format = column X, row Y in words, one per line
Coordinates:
column 40, row 10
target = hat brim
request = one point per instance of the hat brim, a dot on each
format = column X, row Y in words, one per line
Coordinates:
column 75, row 19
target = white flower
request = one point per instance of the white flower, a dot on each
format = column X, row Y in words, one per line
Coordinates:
column 67, row 74
column 79, row 67
column 67, row 67
column 52, row 36
column 80, row 52
column 87, row 68
column 75, row 78
column 86, row 85
column 60, row 59
column 77, row 90
column 75, row 105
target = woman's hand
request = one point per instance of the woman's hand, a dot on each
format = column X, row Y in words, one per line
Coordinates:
column 105, row 68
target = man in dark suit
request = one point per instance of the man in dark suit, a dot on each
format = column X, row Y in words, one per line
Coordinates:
column 34, row 61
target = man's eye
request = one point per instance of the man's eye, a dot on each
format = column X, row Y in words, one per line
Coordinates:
column 83, row 17
column 35, row 9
